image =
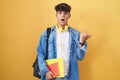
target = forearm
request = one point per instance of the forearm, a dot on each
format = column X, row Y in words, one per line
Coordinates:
column 81, row 50
column 42, row 65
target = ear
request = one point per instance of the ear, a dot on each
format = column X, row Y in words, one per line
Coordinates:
column 56, row 14
column 69, row 15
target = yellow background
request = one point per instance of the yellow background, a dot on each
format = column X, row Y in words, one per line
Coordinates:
column 22, row 22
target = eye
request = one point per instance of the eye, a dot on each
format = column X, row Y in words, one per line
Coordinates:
column 59, row 12
column 65, row 13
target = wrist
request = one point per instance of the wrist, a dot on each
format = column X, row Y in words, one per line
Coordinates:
column 81, row 43
column 81, row 40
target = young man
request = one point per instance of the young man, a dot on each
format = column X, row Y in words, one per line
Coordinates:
column 64, row 42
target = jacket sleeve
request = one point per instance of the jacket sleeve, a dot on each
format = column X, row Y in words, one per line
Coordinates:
column 81, row 50
column 41, row 51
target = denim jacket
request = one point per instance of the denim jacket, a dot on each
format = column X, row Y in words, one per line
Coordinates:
column 76, row 53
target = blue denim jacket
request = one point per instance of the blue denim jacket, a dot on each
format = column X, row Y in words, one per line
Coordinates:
column 76, row 53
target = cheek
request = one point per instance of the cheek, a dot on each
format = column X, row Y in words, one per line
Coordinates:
column 67, row 17
column 58, row 17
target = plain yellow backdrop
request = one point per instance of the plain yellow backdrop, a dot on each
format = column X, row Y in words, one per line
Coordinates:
column 23, row 21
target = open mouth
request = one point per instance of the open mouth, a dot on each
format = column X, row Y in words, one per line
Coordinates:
column 62, row 19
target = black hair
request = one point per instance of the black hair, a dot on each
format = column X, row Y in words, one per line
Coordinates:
column 63, row 7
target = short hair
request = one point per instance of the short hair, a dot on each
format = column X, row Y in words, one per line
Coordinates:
column 63, row 7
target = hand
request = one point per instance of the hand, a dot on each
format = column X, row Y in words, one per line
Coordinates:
column 50, row 75
column 84, row 36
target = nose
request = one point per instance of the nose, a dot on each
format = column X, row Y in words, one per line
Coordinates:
column 62, row 14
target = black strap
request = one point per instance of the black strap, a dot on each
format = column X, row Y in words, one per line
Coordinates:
column 47, row 37
column 48, row 34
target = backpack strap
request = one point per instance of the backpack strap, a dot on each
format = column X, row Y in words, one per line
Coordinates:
column 36, row 70
column 47, row 38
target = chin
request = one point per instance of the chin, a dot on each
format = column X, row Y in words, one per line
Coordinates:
column 63, row 24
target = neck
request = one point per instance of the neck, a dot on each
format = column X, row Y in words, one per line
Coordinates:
column 63, row 26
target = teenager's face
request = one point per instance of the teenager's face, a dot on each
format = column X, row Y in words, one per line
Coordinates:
column 62, row 17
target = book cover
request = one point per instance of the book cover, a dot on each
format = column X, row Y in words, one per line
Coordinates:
column 56, row 66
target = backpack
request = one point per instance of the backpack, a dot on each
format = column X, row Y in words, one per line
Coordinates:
column 36, row 70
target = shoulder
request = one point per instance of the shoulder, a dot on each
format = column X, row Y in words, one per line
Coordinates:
column 74, row 31
column 45, row 31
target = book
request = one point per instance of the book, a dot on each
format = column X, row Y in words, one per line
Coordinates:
column 56, row 66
